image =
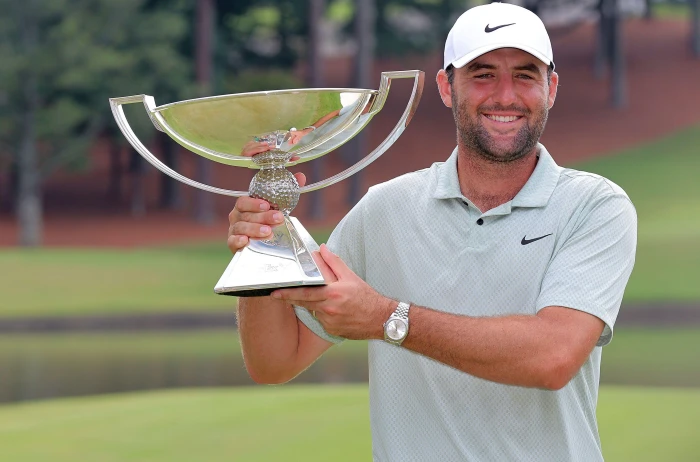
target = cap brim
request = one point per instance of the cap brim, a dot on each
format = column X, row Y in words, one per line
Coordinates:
column 461, row 62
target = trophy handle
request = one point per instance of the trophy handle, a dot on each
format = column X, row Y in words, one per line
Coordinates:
column 149, row 103
column 384, row 86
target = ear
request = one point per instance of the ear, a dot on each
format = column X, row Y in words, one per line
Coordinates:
column 444, row 88
column 553, row 86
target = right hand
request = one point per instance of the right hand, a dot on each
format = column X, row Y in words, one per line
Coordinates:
column 253, row 219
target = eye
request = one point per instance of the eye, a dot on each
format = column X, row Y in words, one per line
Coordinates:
column 525, row 76
column 483, row 76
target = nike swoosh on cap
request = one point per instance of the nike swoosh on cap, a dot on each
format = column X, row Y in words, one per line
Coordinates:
column 527, row 241
column 488, row 29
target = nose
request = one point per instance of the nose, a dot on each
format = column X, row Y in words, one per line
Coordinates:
column 504, row 93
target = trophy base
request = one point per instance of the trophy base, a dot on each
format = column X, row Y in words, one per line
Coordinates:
column 282, row 262
column 262, row 292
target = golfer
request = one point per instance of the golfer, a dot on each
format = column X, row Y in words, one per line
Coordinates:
column 486, row 285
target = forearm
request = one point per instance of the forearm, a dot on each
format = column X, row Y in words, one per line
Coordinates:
column 519, row 350
column 269, row 334
column 326, row 118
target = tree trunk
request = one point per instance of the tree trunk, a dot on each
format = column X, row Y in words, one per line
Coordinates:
column 618, row 80
column 116, row 172
column 138, row 193
column 29, row 206
column 602, row 45
column 364, row 36
column 695, row 29
column 204, row 29
column 9, row 200
column 170, row 195
column 648, row 10
column 315, row 79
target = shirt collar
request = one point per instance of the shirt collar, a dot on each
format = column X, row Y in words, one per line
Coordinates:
column 540, row 186
column 447, row 180
column 535, row 193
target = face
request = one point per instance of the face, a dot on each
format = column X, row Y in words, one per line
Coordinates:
column 500, row 102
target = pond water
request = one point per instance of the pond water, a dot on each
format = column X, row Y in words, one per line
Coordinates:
column 50, row 366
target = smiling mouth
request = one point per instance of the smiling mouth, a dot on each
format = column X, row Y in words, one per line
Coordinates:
column 502, row 119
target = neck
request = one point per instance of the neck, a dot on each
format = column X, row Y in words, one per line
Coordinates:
column 488, row 184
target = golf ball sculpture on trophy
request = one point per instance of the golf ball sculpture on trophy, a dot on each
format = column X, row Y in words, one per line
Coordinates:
column 270, row 131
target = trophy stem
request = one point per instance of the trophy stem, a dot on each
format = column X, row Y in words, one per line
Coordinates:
column 274, row 182
column 284, row 259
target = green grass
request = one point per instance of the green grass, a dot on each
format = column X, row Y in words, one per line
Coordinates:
column 67, row 282
column 111, row 281
column 310, row 423
column 259, row 424
column 647, row 424
column 671, row 11
column 661, row 178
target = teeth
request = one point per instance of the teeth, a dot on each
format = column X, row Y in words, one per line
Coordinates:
column 502, row 118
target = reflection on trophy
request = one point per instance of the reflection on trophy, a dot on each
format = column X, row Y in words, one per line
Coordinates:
column 271, row 131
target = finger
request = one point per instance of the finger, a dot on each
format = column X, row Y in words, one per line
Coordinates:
column 251, row 204
column 301, row 296
column 270, row 218
column 236, row 242
column 326, row 270
column 338, row 266
column 251, row 230
column 294, row 158
column 301, row 178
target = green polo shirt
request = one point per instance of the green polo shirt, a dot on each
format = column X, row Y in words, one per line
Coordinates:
column 568, row 238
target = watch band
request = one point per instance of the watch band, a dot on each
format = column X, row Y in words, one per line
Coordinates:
column 401, row 310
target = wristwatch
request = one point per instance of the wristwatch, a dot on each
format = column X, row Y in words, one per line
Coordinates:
column 396, row 327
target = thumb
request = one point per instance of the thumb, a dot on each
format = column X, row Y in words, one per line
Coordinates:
column 301, row 178
column 336, row 264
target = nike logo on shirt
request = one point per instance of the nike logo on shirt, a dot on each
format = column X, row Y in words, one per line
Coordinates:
column 526, row 241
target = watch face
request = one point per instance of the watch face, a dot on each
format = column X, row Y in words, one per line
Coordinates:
column 396, row 329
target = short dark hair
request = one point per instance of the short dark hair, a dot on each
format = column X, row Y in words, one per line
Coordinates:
column 450, row 71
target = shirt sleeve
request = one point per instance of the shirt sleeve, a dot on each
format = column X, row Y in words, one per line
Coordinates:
column 346, row 241
column 590, row 270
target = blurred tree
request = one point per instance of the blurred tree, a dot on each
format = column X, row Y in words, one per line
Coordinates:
column 61, row 61
column 260, row 42
column 411, row 26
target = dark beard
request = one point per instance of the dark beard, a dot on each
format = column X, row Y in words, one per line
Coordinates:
column 474, row 136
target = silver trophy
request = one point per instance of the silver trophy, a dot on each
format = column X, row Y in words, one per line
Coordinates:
column 270, row 131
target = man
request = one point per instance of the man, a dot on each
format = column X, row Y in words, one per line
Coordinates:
column 486, row 284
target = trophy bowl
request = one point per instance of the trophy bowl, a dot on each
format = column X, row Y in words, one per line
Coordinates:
column 270, row 131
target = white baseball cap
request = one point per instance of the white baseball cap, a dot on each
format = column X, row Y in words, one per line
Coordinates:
column 496, row 25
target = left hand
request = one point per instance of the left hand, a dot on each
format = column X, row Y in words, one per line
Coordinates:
column 348, row 307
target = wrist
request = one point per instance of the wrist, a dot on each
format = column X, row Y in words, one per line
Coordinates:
column 386, row 308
